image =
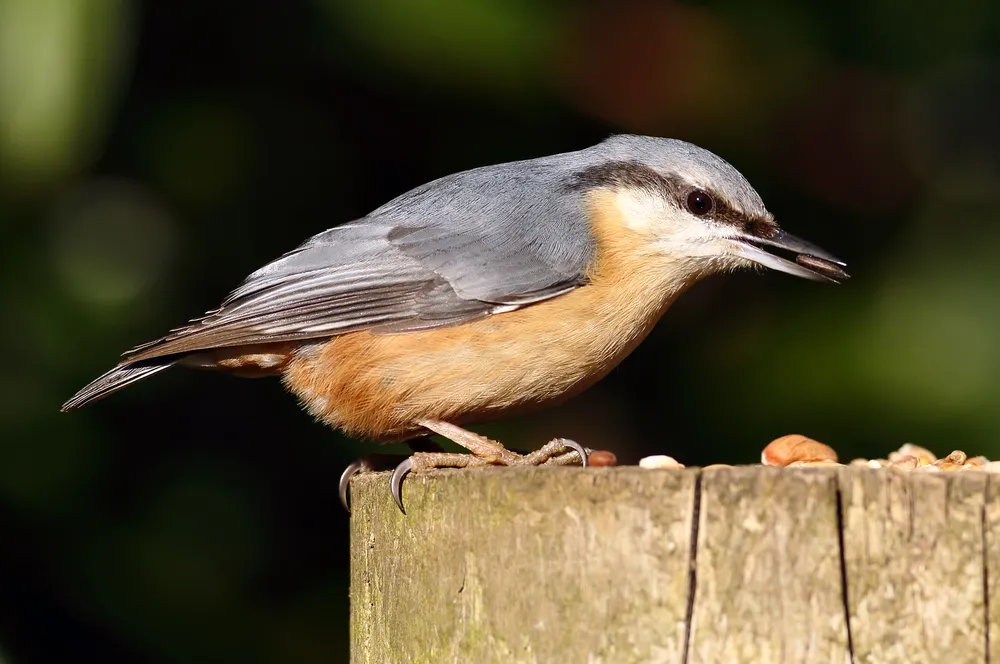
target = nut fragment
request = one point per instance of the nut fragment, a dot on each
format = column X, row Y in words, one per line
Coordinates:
column 602, row 458
column 909, row 449
column 976, row 462
column 958, row 456
column 659, row 461
column 795, row 447
column 992, row 467
column 716, row 465
column 912, row 457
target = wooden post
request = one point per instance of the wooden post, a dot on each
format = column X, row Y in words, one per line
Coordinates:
column 727, row 565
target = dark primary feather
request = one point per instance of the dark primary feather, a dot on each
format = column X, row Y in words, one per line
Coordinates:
column 112, row 381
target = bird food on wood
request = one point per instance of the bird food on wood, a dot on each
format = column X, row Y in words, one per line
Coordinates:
column 794, row 448
column 659, row 461
column 602, row 458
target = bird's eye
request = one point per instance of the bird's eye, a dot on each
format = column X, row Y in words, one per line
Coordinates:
column 699, row 203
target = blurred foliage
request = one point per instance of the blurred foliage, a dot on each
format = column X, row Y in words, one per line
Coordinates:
column 61, row 64
column 153, row 153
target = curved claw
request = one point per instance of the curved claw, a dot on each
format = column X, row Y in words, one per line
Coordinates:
column 345, row 480
column 580, row 449
column 396, row 481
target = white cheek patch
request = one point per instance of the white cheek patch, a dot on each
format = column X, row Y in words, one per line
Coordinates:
column 676, row 234
column 642, row 211
column 681, row 234
column 648, row 213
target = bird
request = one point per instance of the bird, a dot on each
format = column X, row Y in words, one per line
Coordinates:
column 483, row 294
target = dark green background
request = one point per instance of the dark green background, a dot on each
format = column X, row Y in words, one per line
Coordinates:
column 153, row 153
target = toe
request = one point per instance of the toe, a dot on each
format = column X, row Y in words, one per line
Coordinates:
column 396, row 482
column 573, row 445
column 362, row 464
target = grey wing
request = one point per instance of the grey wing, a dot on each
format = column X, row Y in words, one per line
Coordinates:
column 505, row 234
column 457, row 249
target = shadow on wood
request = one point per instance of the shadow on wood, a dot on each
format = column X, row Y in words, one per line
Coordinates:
column 728, row 565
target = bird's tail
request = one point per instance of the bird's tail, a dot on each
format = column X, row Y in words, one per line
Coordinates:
column 114, row 380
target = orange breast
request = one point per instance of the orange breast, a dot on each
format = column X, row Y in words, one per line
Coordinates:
column 378, row 385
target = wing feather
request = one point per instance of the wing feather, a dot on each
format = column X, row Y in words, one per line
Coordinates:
column 463, row 247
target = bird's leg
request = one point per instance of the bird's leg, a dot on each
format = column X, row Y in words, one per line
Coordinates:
column 560, row 451
column 553, row 452
column 481, row 446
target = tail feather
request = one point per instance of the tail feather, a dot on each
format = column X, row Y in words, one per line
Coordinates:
column 114, row 380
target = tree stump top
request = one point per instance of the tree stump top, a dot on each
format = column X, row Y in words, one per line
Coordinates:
column 741, row 564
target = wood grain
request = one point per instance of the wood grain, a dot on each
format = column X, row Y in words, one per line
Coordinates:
column 726, row 565
column 991, row 537
column 522, row 565
column 913, row 548
column 760, row 595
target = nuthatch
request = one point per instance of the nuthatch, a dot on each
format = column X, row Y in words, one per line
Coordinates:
column 485, row 293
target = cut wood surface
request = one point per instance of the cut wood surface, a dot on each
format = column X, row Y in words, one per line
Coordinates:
column 745, row 564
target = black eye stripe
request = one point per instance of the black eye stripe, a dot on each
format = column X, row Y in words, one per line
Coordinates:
column 632, row 174
column 719, row 210
column 759, row 228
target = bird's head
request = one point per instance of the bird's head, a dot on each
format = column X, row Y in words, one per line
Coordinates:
column 693, row 207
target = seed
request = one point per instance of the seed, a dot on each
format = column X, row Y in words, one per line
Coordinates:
column 905, row 462
column 659, row 461
column 822, row 266
column 795, row 447
column 909, row 449
column 958, row 456
column 599, row 458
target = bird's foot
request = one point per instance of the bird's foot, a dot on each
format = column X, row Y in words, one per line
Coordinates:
column 365, row 464
column 373, row 462
column 557, row 452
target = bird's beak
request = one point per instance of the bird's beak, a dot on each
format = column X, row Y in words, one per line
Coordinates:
column 808, row 260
